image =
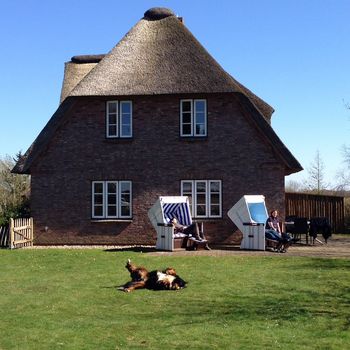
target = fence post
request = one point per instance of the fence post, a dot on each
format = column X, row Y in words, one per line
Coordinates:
column 12, row 233
column 31, row 231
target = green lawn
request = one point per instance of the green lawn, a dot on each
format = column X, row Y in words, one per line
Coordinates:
column 67, row 299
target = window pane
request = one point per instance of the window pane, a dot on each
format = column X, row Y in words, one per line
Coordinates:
column 125, row 187
column 112, row 210
column 98, row 210
column 200, row 198
column 125, row 199
column 187, row 187
column 98, row 187
column 214, row 186
column 126, row 119
column 186, row 106
column 199, row 106
column 186, row 118
column 112, row 199
column 126, row 107
column 201, row 186
column 200, row 129
column 112, row 187
column 98, row 199
column 214, row 198
column 112, row 119
column 186, row 129
column 112, row 107
column 200, row 118
column 215, row 210
column 186, row 190
column 112, row 130
column 126, row 130
column 125, row 210
column 201, row 210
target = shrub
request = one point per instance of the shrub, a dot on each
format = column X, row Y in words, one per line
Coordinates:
column 14, row 191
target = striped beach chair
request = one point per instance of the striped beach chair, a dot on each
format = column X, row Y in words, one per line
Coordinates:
column 160, row 215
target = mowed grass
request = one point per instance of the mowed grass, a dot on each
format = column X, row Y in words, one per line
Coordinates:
column 68, row 299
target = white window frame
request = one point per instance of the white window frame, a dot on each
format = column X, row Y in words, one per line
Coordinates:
column 108, row 124
column 120, row 199
column 195, row 118
column 209, row 198
column 183, row 193
column 93, row 200
column 181, row 118
column 205, row 215
column 193, row 132
column 105, row 200
column 106, row 204
column 119, row 115
column 120, row 119
column 193, row 200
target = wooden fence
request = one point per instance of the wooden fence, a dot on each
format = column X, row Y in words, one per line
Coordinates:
column 312, row 205
column 21, row 233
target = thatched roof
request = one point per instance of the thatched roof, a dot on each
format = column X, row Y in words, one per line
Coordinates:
column 290, row 162
column 75, row 71
column 159, row 55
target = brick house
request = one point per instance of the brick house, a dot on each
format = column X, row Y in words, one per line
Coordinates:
column 155, row 116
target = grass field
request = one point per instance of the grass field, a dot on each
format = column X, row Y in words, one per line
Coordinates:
column 67, row 299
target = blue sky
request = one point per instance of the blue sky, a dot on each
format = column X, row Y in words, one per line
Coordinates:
column 294, row 54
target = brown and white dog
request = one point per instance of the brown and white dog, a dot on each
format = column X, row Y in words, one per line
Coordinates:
column 156, row 280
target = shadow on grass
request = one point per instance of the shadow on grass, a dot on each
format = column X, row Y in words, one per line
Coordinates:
column 137, row 249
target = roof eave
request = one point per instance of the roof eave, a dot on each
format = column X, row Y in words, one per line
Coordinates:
column 291, row 163
column 23, row 166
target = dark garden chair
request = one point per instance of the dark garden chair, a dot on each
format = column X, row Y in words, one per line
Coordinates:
column 320, row 225
column 300, row 229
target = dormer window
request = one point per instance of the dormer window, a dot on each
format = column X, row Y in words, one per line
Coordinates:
column 119, row 119
column 193, row 118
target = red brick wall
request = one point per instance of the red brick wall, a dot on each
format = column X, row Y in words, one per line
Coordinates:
column 155, row 160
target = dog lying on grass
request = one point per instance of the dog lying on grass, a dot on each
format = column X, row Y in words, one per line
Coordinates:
column 155, row 280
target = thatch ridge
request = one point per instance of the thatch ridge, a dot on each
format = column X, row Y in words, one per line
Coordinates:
column 157, row 13
column 87, row 58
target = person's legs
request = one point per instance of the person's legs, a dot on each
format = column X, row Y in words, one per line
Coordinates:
column 202, row 237
column 274, row 236
column 192, row 230
column 287, row 241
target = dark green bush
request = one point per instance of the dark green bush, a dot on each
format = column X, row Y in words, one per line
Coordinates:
column 14, row 191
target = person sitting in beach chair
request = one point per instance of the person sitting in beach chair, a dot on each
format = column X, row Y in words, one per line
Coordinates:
column 192, row 231
column 273, row 232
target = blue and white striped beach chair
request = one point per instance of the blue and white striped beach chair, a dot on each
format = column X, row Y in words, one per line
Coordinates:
column 161, row 214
